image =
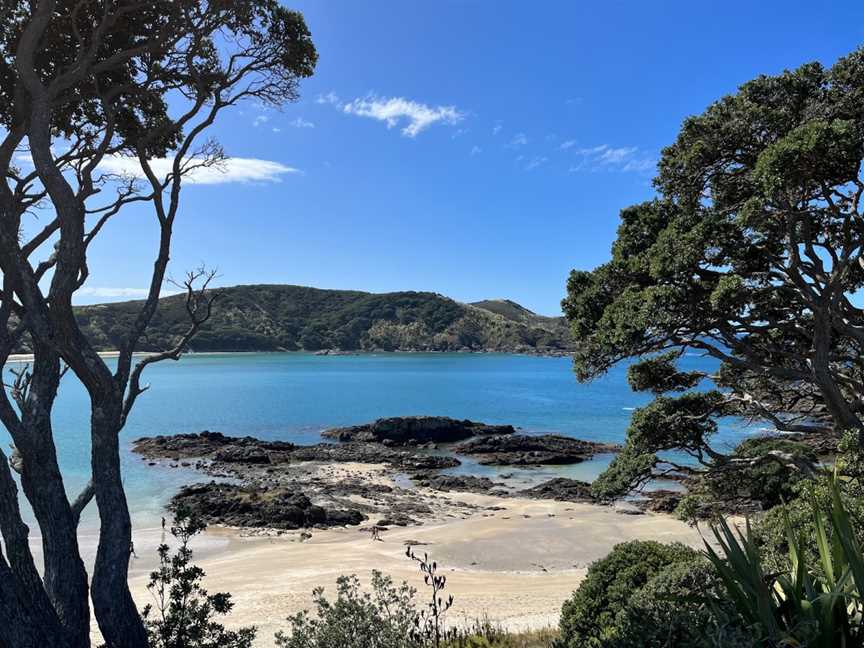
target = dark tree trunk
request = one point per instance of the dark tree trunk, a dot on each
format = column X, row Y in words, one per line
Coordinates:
column 64, row 577
column 115, row 610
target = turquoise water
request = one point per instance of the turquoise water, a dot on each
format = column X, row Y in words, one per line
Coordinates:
column 295, row 396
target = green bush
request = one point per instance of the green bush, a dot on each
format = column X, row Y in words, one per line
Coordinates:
column 672, row 611
column 183, row 614
column 590, row 618
column 382, row 618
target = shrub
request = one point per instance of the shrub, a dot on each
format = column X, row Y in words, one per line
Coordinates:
column 383, row 618
column 590, row 617
column 672, row 611
column 183, row 613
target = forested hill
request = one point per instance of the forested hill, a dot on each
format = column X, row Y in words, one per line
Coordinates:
column 279, row 317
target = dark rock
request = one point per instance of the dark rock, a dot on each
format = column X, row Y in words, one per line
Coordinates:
column 242, row 454
column 397, row 519
column 208, row 444
column 561, row 489
column 408, row 460
column 526, row 450
column 460, row 483
column 255, row 506
column 660, row 501
column 411, row 430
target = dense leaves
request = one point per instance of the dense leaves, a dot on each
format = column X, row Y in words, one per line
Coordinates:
column 750, row 255
column 590, row 618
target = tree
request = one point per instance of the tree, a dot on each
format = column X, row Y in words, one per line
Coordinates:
column 751, row 255
column 84, row 83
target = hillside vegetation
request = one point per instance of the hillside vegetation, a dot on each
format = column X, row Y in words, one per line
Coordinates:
column 289, row 318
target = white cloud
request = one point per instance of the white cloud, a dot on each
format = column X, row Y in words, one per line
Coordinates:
column 497, row 127
column 277, row 130
column 567, row 144
column 476, row 150
column 330, row 98
column 230, row 170
column 520, row 139
column 260, row 119
column 605, row 157
column 114, row 293
column 535, row 162
column 301, row 123
column 396, row 110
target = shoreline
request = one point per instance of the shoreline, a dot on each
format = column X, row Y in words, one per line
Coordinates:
column 508, row 558
column 28, row 357
column 512, row 560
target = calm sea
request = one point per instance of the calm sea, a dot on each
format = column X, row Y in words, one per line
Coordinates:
column 295, row 396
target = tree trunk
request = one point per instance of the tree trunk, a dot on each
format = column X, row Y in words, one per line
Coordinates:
column 836, row 403
column 115, row 610
column 64, row 575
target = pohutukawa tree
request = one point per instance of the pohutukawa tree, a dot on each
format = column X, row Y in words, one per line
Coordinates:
column 83, row 83
column 752, row 255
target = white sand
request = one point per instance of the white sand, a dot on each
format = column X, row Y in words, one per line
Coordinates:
column 517, row 566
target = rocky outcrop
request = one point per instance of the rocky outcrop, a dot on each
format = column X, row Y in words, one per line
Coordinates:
column 561, row 489
column 660, row 501
column 460, row 483
column 525, row 450
column 239, row 451
column 213, row 445
column 414, row 430
column 373, row 453
column 255, row 506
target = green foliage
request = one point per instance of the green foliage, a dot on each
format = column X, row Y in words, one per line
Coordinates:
column 382, row 618
column 590, row 618
column 767, row 480
column 272, row 317
column 681, row 423
column 809, row 498
column 183, row 614
column 673, row 610
column 812, row 602
column 658, row 374
column 755, row 222
column 485, row 634
column 628, row 470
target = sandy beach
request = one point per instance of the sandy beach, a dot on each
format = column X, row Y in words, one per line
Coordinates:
column 513, row 560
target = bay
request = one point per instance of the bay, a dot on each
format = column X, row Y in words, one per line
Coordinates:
column 294, row 396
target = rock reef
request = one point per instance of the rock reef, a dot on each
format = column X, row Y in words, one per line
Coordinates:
column 414, row 430
column 525, row 450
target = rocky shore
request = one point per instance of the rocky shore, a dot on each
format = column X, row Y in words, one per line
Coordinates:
column 377, row 475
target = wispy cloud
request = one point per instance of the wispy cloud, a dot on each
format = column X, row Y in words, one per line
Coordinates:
column 301, row 123
column 497, row 127
column 535, row 162
column 330, row 98
column 476, row 150
column 416, row 116
column 259, row 120
column 520, row 139
column 567, row 144
column 624, row 158
column 236, row 170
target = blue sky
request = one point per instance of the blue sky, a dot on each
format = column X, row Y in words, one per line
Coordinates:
column 517, row 132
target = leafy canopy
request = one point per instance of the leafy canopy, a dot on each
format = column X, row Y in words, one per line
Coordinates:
column 750, row 255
